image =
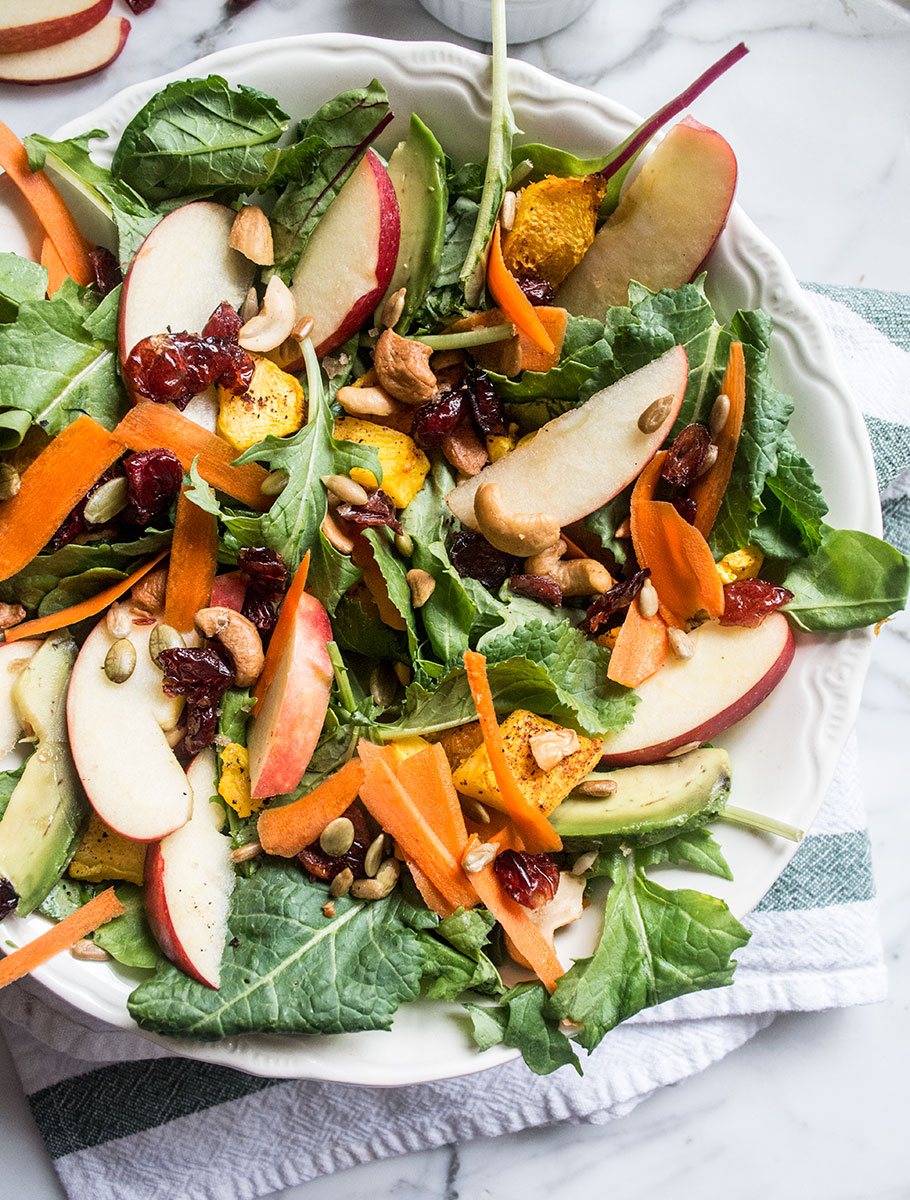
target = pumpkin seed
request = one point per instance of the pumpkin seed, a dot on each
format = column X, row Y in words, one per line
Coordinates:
column 383, row 685
column 373, row 859
column 106, row 501
column 246, row 852
column 337, row 838
column 274, row 483
column 164, row 637
column 404, row 544
column 346, row 489
column 341, row 884
column 655, row 414
column 120, row 661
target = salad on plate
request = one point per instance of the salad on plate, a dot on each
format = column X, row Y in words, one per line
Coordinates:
column 385, row 546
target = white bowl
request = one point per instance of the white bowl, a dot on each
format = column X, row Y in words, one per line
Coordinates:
column 527, row 20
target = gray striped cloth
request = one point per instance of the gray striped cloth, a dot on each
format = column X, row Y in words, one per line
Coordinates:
column 123, row 1121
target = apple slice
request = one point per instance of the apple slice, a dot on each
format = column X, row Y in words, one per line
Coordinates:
column 189, row 878
column 348, row 262
column 46, row 22
column 78, row 56
column 581, row 459
column 180, row 274
column 284, row 733
column 665, row 225
column 117, row 737
column 688, row 702
column 229, row 591
column 14, row 657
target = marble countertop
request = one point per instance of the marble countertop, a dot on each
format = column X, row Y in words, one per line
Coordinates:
column 818, row 114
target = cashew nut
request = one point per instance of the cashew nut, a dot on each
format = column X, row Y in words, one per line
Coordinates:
column 368, row 402
column 403, row 368
column 240, row 638
column 274, row 321
column 575, row 576
column 422, row 585
column 550, row 748
column 10, row 615
column 522, row 534
column 251, row 234
column 336, row 533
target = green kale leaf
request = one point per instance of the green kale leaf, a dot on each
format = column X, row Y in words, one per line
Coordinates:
column 20, row 280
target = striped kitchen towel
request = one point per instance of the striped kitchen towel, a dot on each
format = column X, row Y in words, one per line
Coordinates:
column 122, row 1120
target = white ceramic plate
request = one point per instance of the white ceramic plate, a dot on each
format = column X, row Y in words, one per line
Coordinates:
column 784, row 754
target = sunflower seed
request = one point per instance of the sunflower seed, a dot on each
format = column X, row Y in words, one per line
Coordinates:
column 393, row 308
column 708, row 461
column 337, row 838
column 720, row 412
column 681, row 750
column 508, row 210
column 680, row 643
column 648, row 603
column 246, row 852
column 595, row 788
column 584, row 862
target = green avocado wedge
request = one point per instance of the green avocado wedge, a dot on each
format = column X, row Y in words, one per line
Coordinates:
column 46, row 812
column 417, row 169
column 652, row 802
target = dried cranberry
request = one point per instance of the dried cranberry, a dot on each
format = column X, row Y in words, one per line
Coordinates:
column 236, row 369
column 686, row 456
column 325, row 866
column 486, row 407
column 224, row 323
column 9, row 898
column 75, row 523
column 200, row 673
column 378, row 510
column 105, row 270
column 537, row 587
column 530, row 879
column 153, row 480
column 434, row 422
column 264, row 567
column 175, row 367
column 600, row 614
column 140, row 6
column 201, row 725
column 538, row 291
column 748, row 601
column 474, row 557
column 686, row 507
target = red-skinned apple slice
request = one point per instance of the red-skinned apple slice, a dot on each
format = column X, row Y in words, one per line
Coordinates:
column 14, row 657
column 73, row 59
column 664, row 226
column 690, row 701
column 117, row 737
column 581, row 459
column 229, row 591
column 181, row 273
column 349, row 260
column 284, row 732
column 46, row 22
column 189, row 878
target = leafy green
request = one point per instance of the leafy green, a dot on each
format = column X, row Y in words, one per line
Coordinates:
column 655, row 945
column 445, row 299
column 521, row 1020
column 75, row 588
column 357, row 631
column 852, row 580
column 8, row 781
column 20, row 280
column 341, row 132
column 128, row 938
column 696, row 848
column 394, row 572
column 199, row 492
column 800, row 505
column 455, row 961
column 293, row 969
column 199, row 137
column 65, row 897
column 604, row 522
column 57, row 361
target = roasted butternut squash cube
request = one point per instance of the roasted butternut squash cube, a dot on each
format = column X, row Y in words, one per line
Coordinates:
column 105, row 854
column 404, row 466
column 274, row 403
column 459, row 743
column 554, row 226
column 234, row 785
column 740, row 564
column 544, row 789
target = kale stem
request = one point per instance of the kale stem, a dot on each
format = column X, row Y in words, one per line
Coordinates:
column 470, row 337
column 764, row 824
column 345, row 691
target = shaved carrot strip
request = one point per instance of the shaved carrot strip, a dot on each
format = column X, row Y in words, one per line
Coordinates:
column 53, row 264
column 63, row 936
column 47, row 205
column 287, row 830
column 533, row 827
column 50, row 488
column 640, row 649
column 432, row 898
column 194, row 561
column 82, row 610
column 150, row 426
column 427, row 778
column 512, row 300
column 708, row 490
column 526, row 937
column 282, row 632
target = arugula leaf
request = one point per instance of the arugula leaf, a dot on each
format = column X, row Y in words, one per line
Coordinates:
column 344, row 128
column 200, row 493
column 852, row 580
column 128, row 938
column 20, row 280
column 293, row 970
column 521, row 1020
column 199, row 137
column 655, row 945
column 8, row 781
column 358, row 632
column 58, row 360
column 394, row 572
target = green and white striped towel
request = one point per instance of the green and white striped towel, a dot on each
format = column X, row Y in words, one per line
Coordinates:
column 124, row 1121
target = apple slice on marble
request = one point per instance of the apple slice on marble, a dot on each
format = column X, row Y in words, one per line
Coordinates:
column 72, row 59
column 46, row 22
column 690, row 701
column 348, row 262
column 117, row 737
column 665, row 224
column 189, row 878
column 581, row 459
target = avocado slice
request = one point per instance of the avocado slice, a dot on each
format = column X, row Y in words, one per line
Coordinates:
column 417, row 169
column 652, row 802
column 46, row 812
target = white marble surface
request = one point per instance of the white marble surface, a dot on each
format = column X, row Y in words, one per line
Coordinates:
column 816, row 1104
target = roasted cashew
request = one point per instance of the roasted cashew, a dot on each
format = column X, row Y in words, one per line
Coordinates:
column 575, row 576
column 403, row 368
column 368, row 402
column 521, row 534
column 251, row 235
column 274, row 321
column 240, row 638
